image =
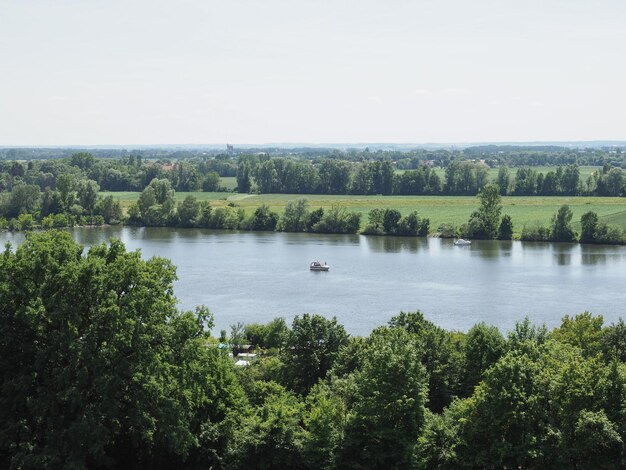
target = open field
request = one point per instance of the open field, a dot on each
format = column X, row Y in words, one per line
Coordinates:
column 439, row 209
column 229, row 182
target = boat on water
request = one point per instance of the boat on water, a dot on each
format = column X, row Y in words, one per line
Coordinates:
column 317, row 266
column 462, row 242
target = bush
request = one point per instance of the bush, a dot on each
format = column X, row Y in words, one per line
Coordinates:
column 505, row 231
column 535, row 232
column 26, row 221
column 447, row 231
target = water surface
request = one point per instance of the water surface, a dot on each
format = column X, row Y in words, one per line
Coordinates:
column 254, row 277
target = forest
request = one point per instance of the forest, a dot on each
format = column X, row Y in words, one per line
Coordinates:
column 101, row 370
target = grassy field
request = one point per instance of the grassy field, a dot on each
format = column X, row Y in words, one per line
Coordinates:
column 439, row 209
column 229, row 182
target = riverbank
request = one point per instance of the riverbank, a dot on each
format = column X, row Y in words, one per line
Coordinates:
column 439, row 210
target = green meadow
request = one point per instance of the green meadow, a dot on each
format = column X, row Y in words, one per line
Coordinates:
column 439, row 209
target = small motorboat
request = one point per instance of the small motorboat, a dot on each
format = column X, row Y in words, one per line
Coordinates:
column 317, row 266
column 462, row 242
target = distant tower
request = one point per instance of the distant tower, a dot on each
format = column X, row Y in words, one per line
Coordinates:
column 230, row 149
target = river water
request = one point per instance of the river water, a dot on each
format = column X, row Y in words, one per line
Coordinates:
column 254, row 277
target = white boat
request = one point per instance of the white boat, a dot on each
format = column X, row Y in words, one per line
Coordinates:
column 462, row 242
column 317, row 266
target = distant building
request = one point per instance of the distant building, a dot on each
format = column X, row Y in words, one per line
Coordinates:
column 230, row 149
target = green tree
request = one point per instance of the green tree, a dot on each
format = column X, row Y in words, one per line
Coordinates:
column 97, row 363
column 440, row 353
column 505, row 230
column 504, row 180
column 588, row 224
column 391, row 218
column 295, row 216
column 388, row 411
column 87, row 191
column 583, row 331
column 188, row 211
column 263, row 219
column 271, row 436
column 243, row 177
column 324, row 427
column 484, row 345
column 23, row 199
column 211, row 182
column 65, row 186
column 109, row 209
column 484, row 222
column 156, row 202
column 561, row 228
column 310, row 350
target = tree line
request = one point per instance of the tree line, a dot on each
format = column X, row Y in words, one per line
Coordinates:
column 101, row 370
column 461, row 177
column 488, row 223
column 78, row 203
column 344, row 173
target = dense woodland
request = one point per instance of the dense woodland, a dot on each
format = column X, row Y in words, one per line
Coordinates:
column 100, row 370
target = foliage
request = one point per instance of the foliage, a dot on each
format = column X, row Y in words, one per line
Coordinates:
column 561, row 229
column 484, row 222
column 388, row 411
column 310, row 350
column 505, row 230
column 295, row 216
column 484, row 345
column 97, row 363
column 535, row 232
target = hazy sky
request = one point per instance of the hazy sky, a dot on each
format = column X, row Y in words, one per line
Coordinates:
column 259, row 71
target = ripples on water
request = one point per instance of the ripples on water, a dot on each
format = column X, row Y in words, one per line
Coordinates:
column 254, row 277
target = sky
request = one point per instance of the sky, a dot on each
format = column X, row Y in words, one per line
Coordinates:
column 94, row 72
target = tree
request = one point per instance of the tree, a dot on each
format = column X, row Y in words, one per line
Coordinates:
column 324, row 427
column 440, row 353
column 484, row 345
column 504, row 180
column 526, row 182
column 505, row 231
column 23, row 199
column 211, row 182
column 109, row 209
column 389, row 399
column 87, row 191
column 65, row 186
column 583, row 331
column 188, row 211
column 588, row 224
column 310, row 350
column 98, row 365
column 263, row 219
column 561, row 229
column 83, row 160
column 484, row 222
column 271, row 436
column 243, row 177
column 391, row 218
column 156, row 202
column 295, row 216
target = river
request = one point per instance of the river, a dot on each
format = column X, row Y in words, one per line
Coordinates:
column 254, row 277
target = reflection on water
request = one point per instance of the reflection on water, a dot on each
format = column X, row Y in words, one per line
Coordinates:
column 490, row 249
column 396, row 244
column 601, row 254
column 248, row 276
